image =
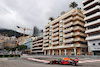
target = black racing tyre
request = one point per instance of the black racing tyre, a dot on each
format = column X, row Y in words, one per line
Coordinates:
column 74, row 64
column 59, row 62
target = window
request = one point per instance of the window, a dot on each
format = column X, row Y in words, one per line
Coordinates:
column 50, row 37
column 61, row 34
column 49, row 41
column 99, row 43
column 50, row 33
column 61, row 25
column 61, row 39
column 93, row 44
column 50, row 26
column 61, row 29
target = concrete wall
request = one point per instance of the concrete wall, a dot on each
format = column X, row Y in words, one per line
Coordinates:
column 92, row 47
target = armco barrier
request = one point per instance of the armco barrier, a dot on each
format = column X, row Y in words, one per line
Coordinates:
column 1, row 56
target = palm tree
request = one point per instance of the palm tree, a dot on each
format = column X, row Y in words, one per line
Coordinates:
column 63, row 12
column 51, row 18
column 73, row 5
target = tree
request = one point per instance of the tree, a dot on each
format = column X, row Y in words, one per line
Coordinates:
column 21, row 47
column 73, row 5
column 63, row 12
column 51, row 18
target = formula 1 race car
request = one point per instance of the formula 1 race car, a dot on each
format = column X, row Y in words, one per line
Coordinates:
column 65, row 61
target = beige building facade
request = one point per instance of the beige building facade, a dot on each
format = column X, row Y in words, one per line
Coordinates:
column 66, row 35
column 37, row 45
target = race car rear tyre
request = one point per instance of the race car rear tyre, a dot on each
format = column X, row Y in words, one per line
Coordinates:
column 74, row 64
column 59, row 62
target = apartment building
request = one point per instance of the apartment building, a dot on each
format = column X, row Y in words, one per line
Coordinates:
column 92, row 12
column 66, row 35
column 37, row 45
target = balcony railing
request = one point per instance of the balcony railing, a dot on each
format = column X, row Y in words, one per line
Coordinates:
column 68, row 24
column 92, row 9
column 55, row 25
column 55, row 43
column 88, row 5
column 80, row 14
column 68, row 19
column 92, row 23
column 80, row 23
column 92, row 30
column 93, row 37
column 69, row 35
column 79, row 33
column 79, row 28
column 77, row 17
column 55, row 34
column 37, row 44
column 68, row 29
column 55, row 38
column 69, row 40
column 92, row 16
column 45, row 44
column 55, row 29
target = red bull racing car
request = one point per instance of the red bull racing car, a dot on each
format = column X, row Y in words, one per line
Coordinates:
column 65, row 61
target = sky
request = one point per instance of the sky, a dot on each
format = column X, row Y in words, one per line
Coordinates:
column 30, row 13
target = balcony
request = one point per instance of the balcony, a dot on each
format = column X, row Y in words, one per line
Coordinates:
column 37, row 51
column 37, row 48
column 80, row 39
column 59, row 47
column 79, row 28
column 68, row 19
column 55, row 43
column 47, row 26
column 92, row 9
column 46, row 33
column 68, row 24
column 85, row 1
column 55, row 34
column 47, row 29
column 55, row 38
column 93, row 37
column 40, row 40
column 92, row 23
column 69, row 40
column 69, row 35
column 46, row 37
column 69, row 29
column 38, row 44
column 90, row 4
column 93, row 30
column 79, row 33
column 92, row 16
column 80, row 23
column 79, row 18
column 81, row 45
column 80, row 14
column 55, row 25
column 46, row 40
column 45, row 44
column 54, row 30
